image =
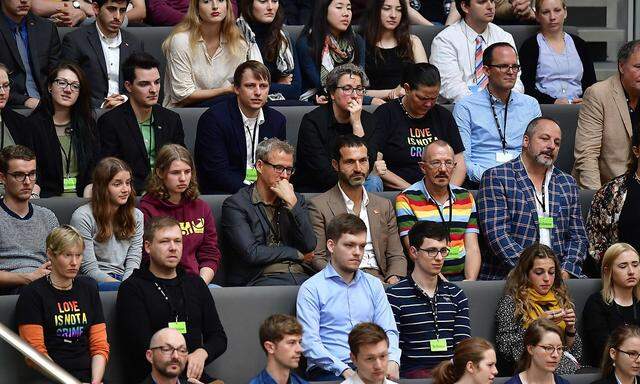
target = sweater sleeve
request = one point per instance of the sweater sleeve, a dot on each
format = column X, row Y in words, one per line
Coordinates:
column 82, row 220
column 208, row 254
column 33, row 334
column 98, row 344
column 134, row 253
column 213, row 336
column 509, row 332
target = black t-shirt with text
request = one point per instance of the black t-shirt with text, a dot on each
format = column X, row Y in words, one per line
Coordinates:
column 401, row 139
column 66, row 318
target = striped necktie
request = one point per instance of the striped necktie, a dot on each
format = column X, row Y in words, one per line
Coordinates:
column 481, row 78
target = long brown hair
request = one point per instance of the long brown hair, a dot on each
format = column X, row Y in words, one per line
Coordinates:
column 165, row 157
column 615, row 340
column 122, row 224
column 532, row 337
column 371, row 27
column 275, row 38
column 191, row 23
column 468, row 350
column 518, row 280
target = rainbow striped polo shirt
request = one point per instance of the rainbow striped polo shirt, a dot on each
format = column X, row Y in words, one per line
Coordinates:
column 415, row 204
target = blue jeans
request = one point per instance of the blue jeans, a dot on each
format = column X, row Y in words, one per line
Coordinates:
column 373, row 184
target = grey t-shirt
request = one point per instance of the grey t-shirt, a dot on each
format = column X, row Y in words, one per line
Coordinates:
column 22, row 239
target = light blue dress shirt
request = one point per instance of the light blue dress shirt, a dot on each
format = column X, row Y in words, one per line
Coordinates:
column 559, row 75
column 328, row 308
column 479, row 132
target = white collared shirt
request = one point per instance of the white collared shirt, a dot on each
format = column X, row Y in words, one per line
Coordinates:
column 545, row 234
column 111, row 51
column 251, row 135
column 369, row 258
column 456, row 60
column 355, row 379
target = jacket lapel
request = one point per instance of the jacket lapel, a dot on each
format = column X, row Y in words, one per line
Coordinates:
column 237, row 128
column 132, row 124
column 94, row 42
column 373, row 214
column 554, row 207
column 34, row 45
column 8, row 36
column 621, row 103
column 335, row 202
column 125, row 51
column 525, row 185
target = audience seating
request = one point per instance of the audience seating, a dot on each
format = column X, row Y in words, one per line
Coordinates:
column 243, row 309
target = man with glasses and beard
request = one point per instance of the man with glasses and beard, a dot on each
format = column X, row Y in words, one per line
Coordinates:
column 25, row 226
column 528, row 200
column 435, row 198
column 383, row 256
column 167, row 355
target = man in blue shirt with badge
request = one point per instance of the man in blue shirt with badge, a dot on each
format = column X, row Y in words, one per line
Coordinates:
column 527, row 200
column 339, row 297
column 492, row 121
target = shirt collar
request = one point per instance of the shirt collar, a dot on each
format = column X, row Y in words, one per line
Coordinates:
column 495, row 99
column 548, row 174
column 245, row 119
column 350, row 204
column 635, row 379
column 12, row 24
column 423, row 189
column 111, row 42
column 471, row 34
column 331, row 273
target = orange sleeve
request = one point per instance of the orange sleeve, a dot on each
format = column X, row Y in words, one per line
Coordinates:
column 34, row 335
column 98, row 344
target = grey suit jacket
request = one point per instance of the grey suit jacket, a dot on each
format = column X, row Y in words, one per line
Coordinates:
column 83, row 47
column 603, row 138
column 382, row 224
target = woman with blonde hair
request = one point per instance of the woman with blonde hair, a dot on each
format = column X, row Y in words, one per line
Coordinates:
column 534, row 289
column 80, row 347
column 202, row 53
column 110, row 224
column 541, row 355
column 172, row 190
column 621, row 357
column 616, row 303
column 474, row 362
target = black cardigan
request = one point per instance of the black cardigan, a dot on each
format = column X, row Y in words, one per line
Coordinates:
column 529, row 53
column 598, row 321
column 49, row 158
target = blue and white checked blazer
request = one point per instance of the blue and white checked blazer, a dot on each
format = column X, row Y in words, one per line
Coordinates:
column 509, row 221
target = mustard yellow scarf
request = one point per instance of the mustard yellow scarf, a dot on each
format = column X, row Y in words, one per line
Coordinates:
column 536, row 302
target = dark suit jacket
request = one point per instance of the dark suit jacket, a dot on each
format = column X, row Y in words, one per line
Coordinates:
column 44, row 48
column 49, row 159
column 19, row 131
column 382, row 225
column 245, row 231
column 120, row 136
column 83, row 47
column 221, row 146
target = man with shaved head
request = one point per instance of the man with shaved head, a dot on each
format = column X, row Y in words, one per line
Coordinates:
column 167, row 355
column 435, row 198
column 527, row 200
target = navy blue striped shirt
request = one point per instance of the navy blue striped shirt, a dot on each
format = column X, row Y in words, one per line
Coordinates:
column 416, row 323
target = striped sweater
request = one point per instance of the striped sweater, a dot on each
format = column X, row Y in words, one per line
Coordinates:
column 416, row 323
column 415, row 204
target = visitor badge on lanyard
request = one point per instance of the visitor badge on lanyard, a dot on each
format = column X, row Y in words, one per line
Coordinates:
column 70, row 184
column 180, row 326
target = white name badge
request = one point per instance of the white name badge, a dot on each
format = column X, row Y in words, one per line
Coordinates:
column 503, row 157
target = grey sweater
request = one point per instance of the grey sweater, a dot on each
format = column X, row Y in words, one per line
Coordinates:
column 22, row 239
column 112, row 256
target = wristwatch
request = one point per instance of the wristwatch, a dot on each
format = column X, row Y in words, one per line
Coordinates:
column 76, row 4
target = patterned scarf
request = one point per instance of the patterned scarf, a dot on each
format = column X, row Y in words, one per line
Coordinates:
column 334, row 53
column 538, row 304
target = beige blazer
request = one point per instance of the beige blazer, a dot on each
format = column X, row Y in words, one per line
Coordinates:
column 382, row 224
column 603, row 138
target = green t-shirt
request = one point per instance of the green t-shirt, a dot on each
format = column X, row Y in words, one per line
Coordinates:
column 149, row 138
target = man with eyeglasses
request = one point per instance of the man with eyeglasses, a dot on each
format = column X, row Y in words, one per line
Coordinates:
column 492, row 121
column 229, row 131
column 408, row 124
column 25, row 226
column 319, row 129
column 526, row 201
column 161, row 295
column 435, row 198
column 458, row 51
column 266, row 229
column 383, row 256
column 167, row 355
column 431, row 313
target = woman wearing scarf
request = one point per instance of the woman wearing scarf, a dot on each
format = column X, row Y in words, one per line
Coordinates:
column 533, row 290
column 261, row 23
column 327, row 41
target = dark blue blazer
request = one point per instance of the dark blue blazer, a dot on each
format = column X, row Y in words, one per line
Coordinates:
column 220, row 150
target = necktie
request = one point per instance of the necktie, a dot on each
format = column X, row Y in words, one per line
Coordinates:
column 30, row 84
column 481, row 78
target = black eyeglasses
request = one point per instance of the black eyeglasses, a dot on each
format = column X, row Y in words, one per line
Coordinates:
column 21, row 176
column 549, row 349
column 280, row 169
column 504, row 68
column 348, row 90
column 633, row 355
column 63, row 84
column 168, row 350
column 433, row 252
column 4, row 87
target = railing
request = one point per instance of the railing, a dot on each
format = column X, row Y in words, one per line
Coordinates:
column 46, row 365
